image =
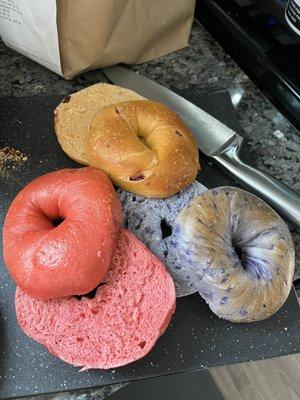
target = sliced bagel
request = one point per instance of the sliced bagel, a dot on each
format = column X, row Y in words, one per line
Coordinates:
column 73, row 116
column 120, row 325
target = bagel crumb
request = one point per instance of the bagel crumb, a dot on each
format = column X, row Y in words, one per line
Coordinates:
column 10, row 154
column 10, row 158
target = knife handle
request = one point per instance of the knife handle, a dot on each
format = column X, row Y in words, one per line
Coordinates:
column 277, row 194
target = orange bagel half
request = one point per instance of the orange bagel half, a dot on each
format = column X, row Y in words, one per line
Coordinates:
column 144, row 147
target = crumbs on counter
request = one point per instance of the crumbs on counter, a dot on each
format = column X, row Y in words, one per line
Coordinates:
column 9, row 154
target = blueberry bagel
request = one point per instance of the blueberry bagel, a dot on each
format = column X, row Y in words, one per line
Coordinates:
column 241, row 250
column 152, row 220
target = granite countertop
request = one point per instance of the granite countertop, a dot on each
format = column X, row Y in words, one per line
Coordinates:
column 273, row 143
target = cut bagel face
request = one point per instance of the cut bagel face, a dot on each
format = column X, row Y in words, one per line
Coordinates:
column 119, row 325
column 74, row 115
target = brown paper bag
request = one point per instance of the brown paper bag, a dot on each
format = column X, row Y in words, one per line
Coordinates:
column 99, row 33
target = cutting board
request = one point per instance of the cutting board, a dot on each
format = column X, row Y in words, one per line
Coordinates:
column 195, row 339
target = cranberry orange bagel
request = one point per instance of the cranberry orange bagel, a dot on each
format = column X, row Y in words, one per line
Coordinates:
column 73, row 116
column 207, row 233
column 144, row 147
column 61, row 231
column 119, row 325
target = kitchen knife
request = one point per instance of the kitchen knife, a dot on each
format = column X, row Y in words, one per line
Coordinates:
column 215, row 140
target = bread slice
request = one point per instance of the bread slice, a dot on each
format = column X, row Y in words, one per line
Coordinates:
column 120, row 325
column 73, row 116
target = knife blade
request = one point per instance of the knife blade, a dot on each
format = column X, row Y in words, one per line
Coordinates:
column 217, row 135
column 216, row 140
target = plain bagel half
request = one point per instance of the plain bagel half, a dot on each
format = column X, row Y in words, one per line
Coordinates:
column 73, row 116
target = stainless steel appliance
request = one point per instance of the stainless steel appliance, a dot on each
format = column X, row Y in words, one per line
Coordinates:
column 263, row 37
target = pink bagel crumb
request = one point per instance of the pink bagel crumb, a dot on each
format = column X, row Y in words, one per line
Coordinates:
column 120, row 325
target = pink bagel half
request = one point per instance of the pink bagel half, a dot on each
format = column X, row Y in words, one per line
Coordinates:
column 119, row 325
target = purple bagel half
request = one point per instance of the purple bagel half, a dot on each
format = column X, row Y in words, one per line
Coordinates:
column 152, row 221
column 238, row 287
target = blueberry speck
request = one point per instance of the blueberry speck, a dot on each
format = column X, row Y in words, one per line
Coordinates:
column 147, row 229
column 225, row 279
column 224, row 300
column 208, row 295
column 176, row 229
column 138, row 224
column 243, row 312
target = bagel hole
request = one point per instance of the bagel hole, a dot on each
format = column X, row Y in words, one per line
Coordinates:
column 142, row 139
column 57, row 221
column 239, row 252
column 166, row 228
column 91, row 294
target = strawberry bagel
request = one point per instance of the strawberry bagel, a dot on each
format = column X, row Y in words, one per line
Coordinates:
column 60, row 233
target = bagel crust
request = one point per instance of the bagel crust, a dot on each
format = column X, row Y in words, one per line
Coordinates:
column 207, row 232
column 144, row 147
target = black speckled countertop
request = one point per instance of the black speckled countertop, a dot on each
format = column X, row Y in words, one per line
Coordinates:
column 273, row 143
